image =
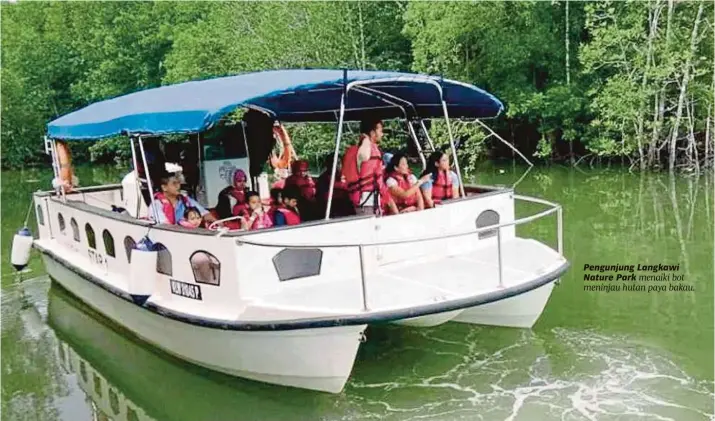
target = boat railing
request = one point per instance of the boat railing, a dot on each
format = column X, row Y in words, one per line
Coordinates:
column 553, row 208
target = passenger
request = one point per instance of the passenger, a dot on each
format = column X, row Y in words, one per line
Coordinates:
column 363, row 171
column 192, row 218
column 224, row 210
column 301, row 179
column 237, row 191
column 341, row 204
column 275, row 201
column 254, row 216
column 287, row 212
column 404, row 186
column 443, row 183
column 170, row 204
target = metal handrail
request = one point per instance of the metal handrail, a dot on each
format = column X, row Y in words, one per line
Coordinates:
column 360, row 246
column 555, row 208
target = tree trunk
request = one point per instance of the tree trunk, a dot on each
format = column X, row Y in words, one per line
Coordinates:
column 653, row 17
column 362, row 37
column 683, row 88
column 568, row 73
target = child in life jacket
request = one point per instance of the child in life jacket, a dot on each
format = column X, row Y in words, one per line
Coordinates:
column 192, row 218
column 404, row 186
column 254, row 216
column 287, row 212
column 443, row 183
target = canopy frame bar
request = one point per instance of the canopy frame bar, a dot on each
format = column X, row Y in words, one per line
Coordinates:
column 410, row 132
column 359, row 83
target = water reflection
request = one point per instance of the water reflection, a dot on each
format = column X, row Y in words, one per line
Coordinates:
column 452, row 372
column 126, row 380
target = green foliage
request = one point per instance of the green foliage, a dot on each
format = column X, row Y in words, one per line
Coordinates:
column 626, row 65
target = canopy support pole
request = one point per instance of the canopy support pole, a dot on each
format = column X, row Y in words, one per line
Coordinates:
column 451, row 144
column 417, row 143
column 248, row 154
column 504, row 141
column 429, row 139
column 148, row 179
column 331, row 188
column 136, row 177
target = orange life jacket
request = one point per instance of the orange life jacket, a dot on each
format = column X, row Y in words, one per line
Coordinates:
column 368, row 178
column 64, row 159
column 291, row 216
column 442, row 187
column 168, row 208
column 404, row 183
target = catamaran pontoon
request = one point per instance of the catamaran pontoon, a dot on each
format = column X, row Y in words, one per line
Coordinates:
column 289, row 305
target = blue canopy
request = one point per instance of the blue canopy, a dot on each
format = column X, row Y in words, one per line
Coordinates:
column 287, row 95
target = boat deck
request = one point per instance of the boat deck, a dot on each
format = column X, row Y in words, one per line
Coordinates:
column 426, row 281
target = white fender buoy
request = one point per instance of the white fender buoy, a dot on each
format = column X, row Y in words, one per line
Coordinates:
column 21, row 246
column 142, row 271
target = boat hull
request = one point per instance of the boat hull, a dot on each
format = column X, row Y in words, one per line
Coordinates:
column 318, row 358
column 520, row 311
column 429, row 321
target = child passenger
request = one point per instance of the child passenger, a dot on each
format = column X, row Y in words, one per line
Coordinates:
column 255, row 217
column 192, row 218
column 287, row 212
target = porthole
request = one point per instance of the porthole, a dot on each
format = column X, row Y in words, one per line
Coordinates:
column 485, row 219
column 129, row 244
column 163, row 259
column 75, row 229
column 83, row 370
column 114, row 401
column 40, row 215
column 108, row 243
column 97, row 384
column 206, row 268
column 61, row 222
column 91, row 240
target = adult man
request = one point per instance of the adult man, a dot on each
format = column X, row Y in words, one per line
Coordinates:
column 169, row 204
column 363, row 171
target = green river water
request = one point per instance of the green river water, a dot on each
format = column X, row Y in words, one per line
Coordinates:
column 591, row 356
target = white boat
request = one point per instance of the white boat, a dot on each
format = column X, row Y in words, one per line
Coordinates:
column 289, row 305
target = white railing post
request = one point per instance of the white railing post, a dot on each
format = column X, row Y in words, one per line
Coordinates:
column 362, row 278
column 560, row 230
column 501, row 280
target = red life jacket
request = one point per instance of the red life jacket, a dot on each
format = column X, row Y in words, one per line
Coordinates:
column 263, row 221
column 305, row 184
column 404, row 183
column 442, row 187
column 239, row 209
column 168, row 208
column 368, row 178
column 292, row 217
